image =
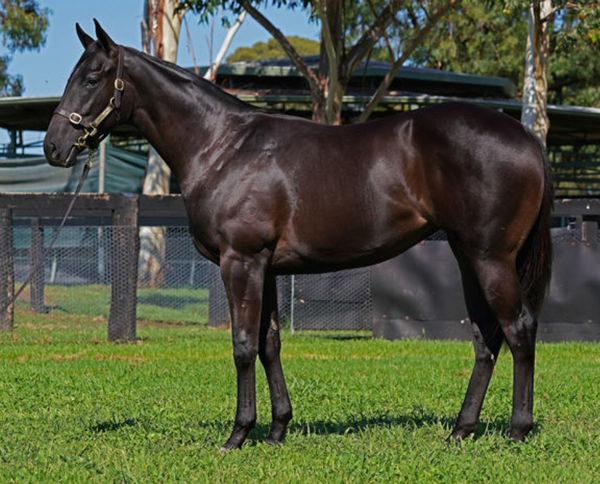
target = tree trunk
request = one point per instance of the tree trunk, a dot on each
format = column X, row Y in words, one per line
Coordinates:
column 163, row 27
column 153, row 239
column 535, row 87
column 211, row 73
column 332, row 75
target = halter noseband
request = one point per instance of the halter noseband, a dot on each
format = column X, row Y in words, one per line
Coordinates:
column 114, row 104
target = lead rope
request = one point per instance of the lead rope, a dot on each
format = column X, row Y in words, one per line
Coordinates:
column 86, row 169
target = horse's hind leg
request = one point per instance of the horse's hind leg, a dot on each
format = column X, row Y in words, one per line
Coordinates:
column 487, row 340
column 269, row 353
column 500, row 285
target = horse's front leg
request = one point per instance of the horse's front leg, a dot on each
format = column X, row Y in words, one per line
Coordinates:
column 243, row 276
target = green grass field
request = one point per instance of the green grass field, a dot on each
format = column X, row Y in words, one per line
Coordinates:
column 74, row 408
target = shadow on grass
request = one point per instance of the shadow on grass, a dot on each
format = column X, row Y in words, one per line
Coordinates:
column 415, row 420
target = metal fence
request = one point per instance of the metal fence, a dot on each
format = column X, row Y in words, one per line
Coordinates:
column 85, row 255
column 93, row 270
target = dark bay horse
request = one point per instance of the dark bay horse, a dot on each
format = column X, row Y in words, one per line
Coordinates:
column 269, row 194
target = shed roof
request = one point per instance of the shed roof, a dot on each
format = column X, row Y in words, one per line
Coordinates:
column 276, row 84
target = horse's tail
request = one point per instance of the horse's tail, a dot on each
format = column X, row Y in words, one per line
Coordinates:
column 534, row 261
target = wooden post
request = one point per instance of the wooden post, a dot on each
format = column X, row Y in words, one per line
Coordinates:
column 589, row 231
column 7, row 271
column 125, row 253
column 36, row 257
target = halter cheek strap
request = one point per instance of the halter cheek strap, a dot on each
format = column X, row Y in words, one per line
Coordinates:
column 114, row 104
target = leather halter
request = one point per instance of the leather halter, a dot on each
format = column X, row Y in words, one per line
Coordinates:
column 114, row 104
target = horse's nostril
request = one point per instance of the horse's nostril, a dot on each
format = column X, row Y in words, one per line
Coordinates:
column 51, row 151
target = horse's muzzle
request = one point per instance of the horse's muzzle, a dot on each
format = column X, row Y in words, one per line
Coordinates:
column 54, row 155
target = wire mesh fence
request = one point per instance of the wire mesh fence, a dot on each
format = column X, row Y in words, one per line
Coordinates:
column 77, row 277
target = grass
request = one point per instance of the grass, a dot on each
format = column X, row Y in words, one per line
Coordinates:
column 74, row 408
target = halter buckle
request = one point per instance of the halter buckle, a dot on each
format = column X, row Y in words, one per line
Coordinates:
column 91, row 131
column 81, row 141
column 119, row 84
column 75, row 118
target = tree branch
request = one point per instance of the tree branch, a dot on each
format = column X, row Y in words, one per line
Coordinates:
column 389, row 77
column 211, row 72
column 368, row 40
column 292, row 53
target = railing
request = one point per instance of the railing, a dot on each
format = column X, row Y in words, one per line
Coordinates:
column 124, row 213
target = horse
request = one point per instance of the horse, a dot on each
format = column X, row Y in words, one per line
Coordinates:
column 269, row 194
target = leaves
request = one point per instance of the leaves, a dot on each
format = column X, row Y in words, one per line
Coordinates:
column 23, row 26
column 272, row 50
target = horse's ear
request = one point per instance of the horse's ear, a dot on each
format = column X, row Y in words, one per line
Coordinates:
column 84, row 38
column 105, row 41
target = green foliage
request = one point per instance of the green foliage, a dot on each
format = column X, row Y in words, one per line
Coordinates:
column 477, row 39
column 574, row 62
column 273, row 50
column 489, row 38
column 77, row 409
column 205, row 9
column 23, row 25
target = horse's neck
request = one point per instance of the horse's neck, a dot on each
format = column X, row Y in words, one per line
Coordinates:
column 179, row 115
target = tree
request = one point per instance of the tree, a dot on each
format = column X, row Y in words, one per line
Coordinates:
column 23, row 26
column 161, row 27
column 350, row 32
column 484, row 38
column 160, row 36
column 490, row 38
column 574, row 70
column 535, row 84
column 273, row 50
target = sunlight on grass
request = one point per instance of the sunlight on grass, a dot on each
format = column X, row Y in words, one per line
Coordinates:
column 78, row 409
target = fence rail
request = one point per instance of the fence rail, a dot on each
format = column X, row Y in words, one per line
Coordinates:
column 100, row 246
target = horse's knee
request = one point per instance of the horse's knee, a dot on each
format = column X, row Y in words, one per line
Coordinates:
column 244, row 350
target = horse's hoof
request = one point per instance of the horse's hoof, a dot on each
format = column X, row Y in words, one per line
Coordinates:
column 461, row 433
column 227, row 448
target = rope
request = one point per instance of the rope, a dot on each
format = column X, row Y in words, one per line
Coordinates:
column 86, row 169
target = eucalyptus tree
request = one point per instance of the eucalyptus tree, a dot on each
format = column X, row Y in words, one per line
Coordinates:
column 350, row 32
column 23, row 26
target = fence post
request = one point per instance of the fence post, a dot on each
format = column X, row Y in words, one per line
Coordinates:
column 589, row 230
column 36, row 256
column 7, row 271
column 125, row 253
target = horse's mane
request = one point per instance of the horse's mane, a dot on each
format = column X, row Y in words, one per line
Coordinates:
column 183, row 76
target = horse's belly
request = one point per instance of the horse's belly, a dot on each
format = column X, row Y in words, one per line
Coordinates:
column 344, row 250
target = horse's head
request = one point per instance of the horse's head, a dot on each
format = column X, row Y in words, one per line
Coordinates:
column 91, row 104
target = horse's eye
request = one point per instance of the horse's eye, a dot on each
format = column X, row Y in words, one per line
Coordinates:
column 91, row 81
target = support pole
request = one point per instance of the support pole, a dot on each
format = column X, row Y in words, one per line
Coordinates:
column 36, row 256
